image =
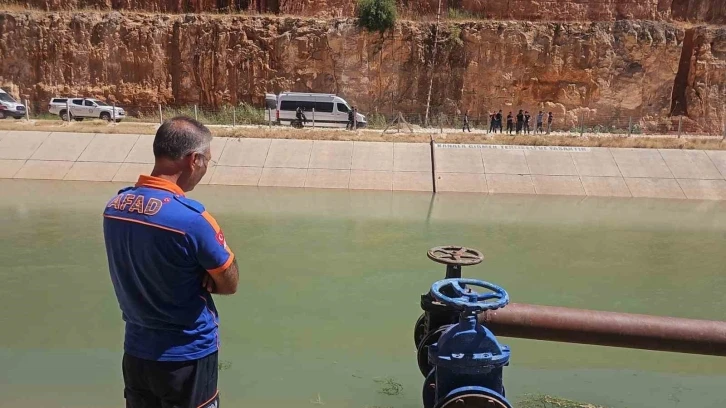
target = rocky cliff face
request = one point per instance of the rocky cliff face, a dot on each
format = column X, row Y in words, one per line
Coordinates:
column 615, row 69
column 712, row 11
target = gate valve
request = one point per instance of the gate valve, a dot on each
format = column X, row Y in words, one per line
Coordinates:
column 467, row 360
column 436, row 314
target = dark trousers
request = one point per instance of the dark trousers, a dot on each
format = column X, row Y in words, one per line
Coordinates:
column 510, row 127
column 171, row 384
column 526, row 127
column 466, row 126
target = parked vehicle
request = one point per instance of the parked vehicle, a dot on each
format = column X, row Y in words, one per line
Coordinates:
column 82, row 108
column 9, row 107
column 330, row 110
column 270, row 106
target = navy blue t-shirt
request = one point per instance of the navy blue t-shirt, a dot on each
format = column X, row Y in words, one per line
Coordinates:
column 159, row 245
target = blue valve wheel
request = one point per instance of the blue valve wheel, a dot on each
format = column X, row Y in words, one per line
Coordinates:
column 465, row 299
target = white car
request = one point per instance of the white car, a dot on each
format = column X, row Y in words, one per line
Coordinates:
column 9, row 107
column 82, row 108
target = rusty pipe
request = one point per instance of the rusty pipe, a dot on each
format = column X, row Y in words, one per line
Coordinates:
column 607, row 329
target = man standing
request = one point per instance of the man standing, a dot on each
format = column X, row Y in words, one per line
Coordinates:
column 167, row 255
column 499, row 121
column 350, row 120
column 520, row 121
column 300, row 115
column 526, row 122
column 466, row 122
column 550, row 119
column 540, row 119
column 492, row 122
column 510, row 123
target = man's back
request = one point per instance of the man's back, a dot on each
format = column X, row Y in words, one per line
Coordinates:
column 159, row 246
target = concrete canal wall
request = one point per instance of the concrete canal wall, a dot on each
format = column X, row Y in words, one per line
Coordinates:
column 658, row 173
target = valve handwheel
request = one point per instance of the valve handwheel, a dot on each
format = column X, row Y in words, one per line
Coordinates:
column 494, row 298
column 455, row 255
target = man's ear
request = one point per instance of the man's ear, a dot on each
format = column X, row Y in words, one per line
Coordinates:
column 191, row 161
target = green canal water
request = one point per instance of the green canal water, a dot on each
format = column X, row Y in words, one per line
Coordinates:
column 330, row 287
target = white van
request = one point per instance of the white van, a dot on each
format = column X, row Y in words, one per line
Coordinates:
column 9, row 107
column 330, row 110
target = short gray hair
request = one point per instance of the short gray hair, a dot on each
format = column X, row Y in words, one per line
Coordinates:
column 180, row 136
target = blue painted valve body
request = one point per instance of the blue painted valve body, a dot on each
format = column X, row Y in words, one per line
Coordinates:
column 468, row 360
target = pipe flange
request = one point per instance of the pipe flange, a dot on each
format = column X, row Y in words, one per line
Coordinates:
column 474, row 401
column 473, row 397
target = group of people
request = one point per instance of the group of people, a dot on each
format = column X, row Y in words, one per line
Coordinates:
column 520, row 122
column 352, row 116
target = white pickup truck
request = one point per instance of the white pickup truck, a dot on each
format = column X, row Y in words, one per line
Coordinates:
column 82, row 108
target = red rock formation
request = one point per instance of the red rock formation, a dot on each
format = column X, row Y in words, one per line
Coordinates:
column 712, row 11
column 700, row 86
column 615, row 69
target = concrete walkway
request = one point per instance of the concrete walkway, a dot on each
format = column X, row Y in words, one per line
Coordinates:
column 692, row 174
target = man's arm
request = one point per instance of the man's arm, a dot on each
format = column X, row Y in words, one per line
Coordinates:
column 223, row 282
column 214, row 256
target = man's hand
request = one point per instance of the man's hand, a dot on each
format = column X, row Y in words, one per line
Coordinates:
column 225, row 282
column 208, row 283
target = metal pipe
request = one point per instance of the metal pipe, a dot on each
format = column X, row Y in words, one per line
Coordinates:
column 433, row 172
column 607, row 329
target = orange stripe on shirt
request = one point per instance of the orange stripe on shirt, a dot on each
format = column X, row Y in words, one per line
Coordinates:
column 207, row 216
column 145, row 223
column 225, row 265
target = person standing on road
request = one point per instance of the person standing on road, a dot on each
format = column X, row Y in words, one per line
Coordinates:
column 526, row 122
column 466, row 122
column 510, row 123
column 499, row 121
column 540, row 119
column 492, row 122
column 550, row 119
column 167, row 256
